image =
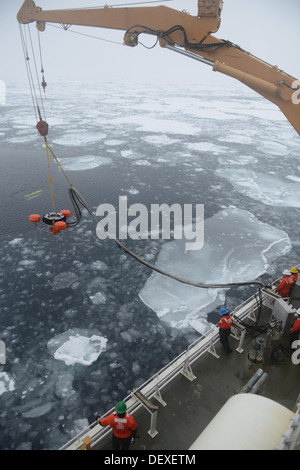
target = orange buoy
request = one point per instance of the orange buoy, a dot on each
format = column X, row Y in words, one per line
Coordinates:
column 66, row 213
column 34, row 218
column 60, row 225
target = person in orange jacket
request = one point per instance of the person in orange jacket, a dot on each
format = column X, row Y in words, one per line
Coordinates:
column 225, row 328
column 283, row 288
column 123, row 425
column 295, row 329
column 294, row 274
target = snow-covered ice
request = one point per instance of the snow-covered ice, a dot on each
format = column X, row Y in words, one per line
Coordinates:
column 76, row 347
column 237, row 247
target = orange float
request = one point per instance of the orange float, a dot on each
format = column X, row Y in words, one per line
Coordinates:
column 34, row 218
column 66, row 213
column 60, row 225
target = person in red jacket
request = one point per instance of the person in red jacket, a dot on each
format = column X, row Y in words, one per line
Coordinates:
column 225, row 328
column 283, row 288
column 123, row 425
column 295, row 330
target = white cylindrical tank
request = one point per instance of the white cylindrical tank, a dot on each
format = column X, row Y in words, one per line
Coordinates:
column 246, row 422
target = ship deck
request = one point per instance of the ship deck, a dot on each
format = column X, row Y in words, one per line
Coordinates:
column 190, row 405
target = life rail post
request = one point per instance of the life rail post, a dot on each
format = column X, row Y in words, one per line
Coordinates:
column 239, row 332
column 153, row 410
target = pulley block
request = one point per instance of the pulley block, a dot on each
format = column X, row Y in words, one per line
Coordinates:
column 42, row 127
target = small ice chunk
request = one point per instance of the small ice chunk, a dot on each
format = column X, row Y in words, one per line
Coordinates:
column 80, row 425
column 136, row 368
column 98, row 298
column 114, row 142
column 25, row 446
column 38, row 411
column 64, row 386
column 27, row 262
column 126, row 336
column 7, row 384
column 132, row 191
column 16, row 241
column 63, row 280
column 129, row 154
column 99, row 265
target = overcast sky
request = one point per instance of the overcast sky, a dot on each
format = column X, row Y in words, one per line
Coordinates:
column 269, row 29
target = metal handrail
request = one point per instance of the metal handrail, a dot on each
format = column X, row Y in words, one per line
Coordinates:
column 162, row 378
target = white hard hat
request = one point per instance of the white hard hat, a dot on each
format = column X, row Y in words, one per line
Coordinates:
column 286, row 272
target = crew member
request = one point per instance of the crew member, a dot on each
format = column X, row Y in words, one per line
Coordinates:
column 284, row 286
column 225, row 328
column 293, row 278
column 123, row 425
column 295, row 330
column 294, row 274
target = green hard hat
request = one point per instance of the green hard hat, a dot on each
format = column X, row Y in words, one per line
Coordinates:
column 120, row 407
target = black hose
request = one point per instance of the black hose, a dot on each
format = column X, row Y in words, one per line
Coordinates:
column 76, row 196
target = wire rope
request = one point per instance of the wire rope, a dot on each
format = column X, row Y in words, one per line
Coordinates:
column 76, row 197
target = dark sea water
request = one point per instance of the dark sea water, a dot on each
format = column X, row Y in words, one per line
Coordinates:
column 156, row 146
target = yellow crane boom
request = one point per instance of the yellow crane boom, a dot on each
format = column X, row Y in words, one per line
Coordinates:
column 190, row 35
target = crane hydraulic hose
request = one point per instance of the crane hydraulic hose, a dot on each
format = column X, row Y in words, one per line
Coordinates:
column 75, row 197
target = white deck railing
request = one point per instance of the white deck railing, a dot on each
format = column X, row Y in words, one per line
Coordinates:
column 181, row 364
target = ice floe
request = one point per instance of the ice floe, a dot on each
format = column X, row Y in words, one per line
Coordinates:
column 272, row 190
column 114, row 142
column 79, row 138
column 208, row 147
column 86, row 162
column 63, row 280
column 39, row 411
column 77, row 347
column 148, row 124
column 273, row 148
column 237, row 247
column 160, row 139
